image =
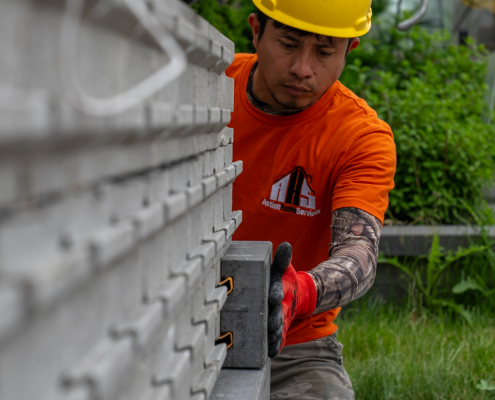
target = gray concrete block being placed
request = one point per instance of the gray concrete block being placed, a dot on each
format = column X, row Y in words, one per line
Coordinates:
column 245, row 312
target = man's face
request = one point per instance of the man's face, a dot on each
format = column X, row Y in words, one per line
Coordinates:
column 295, row 71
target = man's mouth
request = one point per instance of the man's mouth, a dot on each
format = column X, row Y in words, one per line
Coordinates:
column 297, row 90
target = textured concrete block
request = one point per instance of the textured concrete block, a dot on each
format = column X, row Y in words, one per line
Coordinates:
column 237, row 217
column 219, row 159
column 158, row 186
column 161, row 115
column 221, row 178
column 228, row 154
column 7, row 182
column 208, row 163
column 214, row 55
column 225, row 60
column 214, row 118
column 173, row 368
column 192, row 338
column 183, row 119
column 194, row 195
column 45, row 283
column 242, row 384
column 24, row 114
column 105, row 370
column 225, row 137
column 191, row 270
column 171, row 294
column 199, row 50
column 230, row 173
column 144, row 329
column 111, row 243
column 216, row 357
column 207, row 316
column 11, row 302
column 246, row 309
column 218, row 209
column 217, row 296
column 228, row 227
column 225, row 117
column 184, row 32
column 204, row 385
column 195, row 170
column 226, row 93
column 218, row 238
column 149, row 220
column 238, row 168
column 179, row 176
column 175, row 205
column 209, row 185
column 206, row 252
column 126, row 198
column 227, row 202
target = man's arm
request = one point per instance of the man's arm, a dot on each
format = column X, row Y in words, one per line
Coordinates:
column 350, row 271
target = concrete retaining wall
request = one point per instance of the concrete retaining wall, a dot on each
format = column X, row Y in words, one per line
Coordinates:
column 112, row 225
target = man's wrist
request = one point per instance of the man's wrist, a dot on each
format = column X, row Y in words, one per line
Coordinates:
column 306, row 296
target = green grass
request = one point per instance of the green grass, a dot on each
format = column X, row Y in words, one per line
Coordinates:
column 390, row 353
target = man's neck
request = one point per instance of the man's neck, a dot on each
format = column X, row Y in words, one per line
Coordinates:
column 261, row 105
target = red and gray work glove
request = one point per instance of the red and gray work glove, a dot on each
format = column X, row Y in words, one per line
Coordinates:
column 292, row 295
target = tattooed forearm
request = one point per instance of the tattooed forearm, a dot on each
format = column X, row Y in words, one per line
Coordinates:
column 351, row 268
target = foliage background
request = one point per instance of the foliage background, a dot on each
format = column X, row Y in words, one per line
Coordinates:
column 430, row 92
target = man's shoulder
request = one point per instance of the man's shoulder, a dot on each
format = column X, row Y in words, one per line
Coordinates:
column 348, row 99
column 240, row 60
column 354, row 110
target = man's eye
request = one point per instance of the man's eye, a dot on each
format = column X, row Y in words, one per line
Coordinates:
column 287, row 45
column 324, row 54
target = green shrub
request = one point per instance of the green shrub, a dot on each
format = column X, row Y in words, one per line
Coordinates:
column 431, row 94
column 231, row 19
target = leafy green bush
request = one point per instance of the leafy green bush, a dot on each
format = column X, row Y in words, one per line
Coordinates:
column 431, row 94
column 231, row 19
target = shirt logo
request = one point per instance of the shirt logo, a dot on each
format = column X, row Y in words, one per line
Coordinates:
column 293, row 193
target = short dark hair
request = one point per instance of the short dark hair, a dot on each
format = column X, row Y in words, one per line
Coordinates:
column 263, row 20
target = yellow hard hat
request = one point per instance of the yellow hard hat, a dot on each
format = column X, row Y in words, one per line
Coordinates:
column 338, row 18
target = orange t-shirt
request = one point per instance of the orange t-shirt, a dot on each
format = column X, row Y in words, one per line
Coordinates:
column 299, row 168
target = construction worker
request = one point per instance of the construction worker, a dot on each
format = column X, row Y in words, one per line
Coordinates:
column 318, row 166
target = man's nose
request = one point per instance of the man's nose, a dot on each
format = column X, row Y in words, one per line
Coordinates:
column 302, row 65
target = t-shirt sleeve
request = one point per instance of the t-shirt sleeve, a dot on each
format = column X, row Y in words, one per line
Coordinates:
column 366, row 172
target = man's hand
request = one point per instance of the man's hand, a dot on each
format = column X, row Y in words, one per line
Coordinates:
column 292, row 295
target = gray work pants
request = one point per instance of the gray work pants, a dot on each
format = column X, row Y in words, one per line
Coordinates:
column 311, row 370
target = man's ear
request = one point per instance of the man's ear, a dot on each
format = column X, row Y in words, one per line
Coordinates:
column 355, row 43
column 255, row 27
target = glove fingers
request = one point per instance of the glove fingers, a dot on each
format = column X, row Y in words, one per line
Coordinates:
column 276, row 294
column 275, row 319
column 274, row 349
column 275, row 336
column 281, row 260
